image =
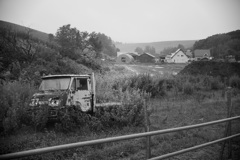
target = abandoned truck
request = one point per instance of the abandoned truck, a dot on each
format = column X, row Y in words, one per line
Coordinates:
column 61, row 91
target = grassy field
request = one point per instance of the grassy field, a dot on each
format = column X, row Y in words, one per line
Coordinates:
column 165, row 113
column 154, row 70
column 175, row 108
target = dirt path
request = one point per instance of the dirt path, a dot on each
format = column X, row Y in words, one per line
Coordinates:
column 154, row 69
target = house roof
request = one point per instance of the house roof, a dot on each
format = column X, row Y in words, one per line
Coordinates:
column 133, row 53
column 173, row 54
column 125, row 55
column 201, row 52
column 129, row 53
column 119, row 53
column 148, row 54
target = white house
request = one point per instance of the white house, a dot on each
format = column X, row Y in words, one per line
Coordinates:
column 177, row 57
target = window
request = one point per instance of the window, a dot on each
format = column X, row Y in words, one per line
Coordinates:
column 54, row 83
column 79, row 84
column 123, row 59
column 82, row 84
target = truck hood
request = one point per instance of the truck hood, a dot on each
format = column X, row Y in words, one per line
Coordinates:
column 46, row 95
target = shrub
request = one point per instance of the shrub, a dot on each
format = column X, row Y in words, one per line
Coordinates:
column 188, row 88
column 216, row 83
column 235, row 81
column 129, row 114
column 71, row 119
column 14, row 99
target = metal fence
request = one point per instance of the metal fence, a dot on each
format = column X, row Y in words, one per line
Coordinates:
column 126, row 137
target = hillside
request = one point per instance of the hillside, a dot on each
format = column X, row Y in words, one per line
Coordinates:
column 18, row 28
column 222, row 69
column 159, row 46
column 221, row 45
column 108, row 47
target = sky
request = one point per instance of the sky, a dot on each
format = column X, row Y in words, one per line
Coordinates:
column 128, row 21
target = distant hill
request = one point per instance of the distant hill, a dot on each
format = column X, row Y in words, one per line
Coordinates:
column 18, row 28
column 159, row 46
column 221, row 45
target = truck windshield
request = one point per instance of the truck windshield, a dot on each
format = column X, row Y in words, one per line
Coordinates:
column 55, row 84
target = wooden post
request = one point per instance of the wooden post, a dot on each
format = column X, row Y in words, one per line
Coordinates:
column 148, row 149
column 224, row 88
column 228, row 127
column 229, row 104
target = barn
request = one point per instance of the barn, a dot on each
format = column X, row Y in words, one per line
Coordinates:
column 146, row 58
column 124, row 58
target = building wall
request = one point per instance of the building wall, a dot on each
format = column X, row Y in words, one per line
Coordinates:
column 168, row 60
column 144, row 58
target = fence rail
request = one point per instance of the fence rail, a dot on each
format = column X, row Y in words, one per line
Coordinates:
column 194, row 148
column 120, row 138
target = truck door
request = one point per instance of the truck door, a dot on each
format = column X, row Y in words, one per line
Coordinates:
column 82, row 96
column 93, row 89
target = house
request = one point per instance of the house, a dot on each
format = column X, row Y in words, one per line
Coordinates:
column 202, row 53
column 177, row 57
column 124, row 58
column 146, row 58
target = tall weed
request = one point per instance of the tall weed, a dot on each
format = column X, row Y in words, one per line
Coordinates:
column 14, row 99
column 235, row 81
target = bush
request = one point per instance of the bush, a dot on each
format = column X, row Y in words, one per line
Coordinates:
column 235, row 81
column 71, row 119
column 14, row 99
column 188, row 88
column 216, row 83
column 130, row 113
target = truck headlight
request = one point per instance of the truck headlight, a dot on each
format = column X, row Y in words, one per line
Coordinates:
column 54, row 102
column 34, row 102
column 86, row 107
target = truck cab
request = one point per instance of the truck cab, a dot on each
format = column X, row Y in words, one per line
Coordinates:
column 62, row 91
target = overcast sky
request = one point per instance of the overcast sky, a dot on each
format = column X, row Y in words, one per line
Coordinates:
column 128, row 20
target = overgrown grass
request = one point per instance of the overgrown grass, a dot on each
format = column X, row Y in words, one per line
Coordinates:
column 174, row 102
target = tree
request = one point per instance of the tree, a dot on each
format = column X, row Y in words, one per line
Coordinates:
column 73, row 42
column 150, row 49
column 17, row 50
column 108, row 45
column 69, row 40
column 221, row 45
column 168, row 50
column 50, row 37
column 180, row 46
column 139, row 50
column 95, row 43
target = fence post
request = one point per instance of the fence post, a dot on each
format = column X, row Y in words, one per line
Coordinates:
column 225, row 86
column 229, row 103
column 146, row 126
column 228, row 127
